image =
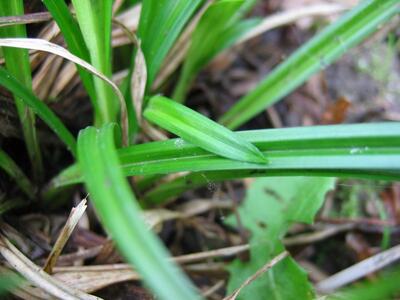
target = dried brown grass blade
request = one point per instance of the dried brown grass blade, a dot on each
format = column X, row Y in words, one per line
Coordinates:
column 37, row 276
column 25, row 19
column 43, row 45
column 72, row 221
column 138, row 82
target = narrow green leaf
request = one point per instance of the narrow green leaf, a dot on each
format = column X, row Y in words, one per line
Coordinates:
column 75, row 41
column 359, row 150
column 161, row 21
column 201, row 131
column 12, row 84
column 270, row 207
column 94, row 18
column 218, row 29
column 12, row 169
column 120, row 213
column 17, row 63
column 317, row 54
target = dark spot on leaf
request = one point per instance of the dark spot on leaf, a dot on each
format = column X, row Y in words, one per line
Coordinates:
column 261, row 224
column 273, row 194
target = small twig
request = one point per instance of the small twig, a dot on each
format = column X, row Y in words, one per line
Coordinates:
column 256, row 275
column 72, row 221
column 359, row 270
column 213, row 289
column 308, row 238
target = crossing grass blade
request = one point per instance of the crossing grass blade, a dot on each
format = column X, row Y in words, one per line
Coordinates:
column 201, row 131
column 317, row 54
column 75, row 41
column 94, row 19
column 120, row 214
column 161, row 21
column 217, row 30
column 17, row 63
column 12, row 169
column 360, row 150
column 13, row 85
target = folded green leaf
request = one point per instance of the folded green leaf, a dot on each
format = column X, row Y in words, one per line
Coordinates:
column 201, row 131
column 161, row 21
column 12, row 169
column 120, row 213
column 94, row 19
column 359, row 150
column 10, row 83
column 313, row 56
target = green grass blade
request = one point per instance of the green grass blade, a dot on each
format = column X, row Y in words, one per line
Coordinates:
column 94, row 18
column 217, row 30
column 76, row 44
column 12, row 169
column 315, row 55
column 12, row 84
column 17, row 62
column 201, row 131
column 161, row 21
column 371, row 149
column 120, row 213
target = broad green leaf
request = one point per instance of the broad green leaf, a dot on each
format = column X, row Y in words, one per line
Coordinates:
column 218, row 29
column 161, row 21
column 270, row 207
column 9, row 281
column 12, row 169
column 75, row 41
column 17, row 63
column 360, row 150
column 121, row 215
column 201, row 131
column 94, row 19
column 322, row 50
column 12, row 84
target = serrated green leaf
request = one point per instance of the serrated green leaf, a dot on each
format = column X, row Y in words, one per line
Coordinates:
column 270, row 207
column 201, row 131
column 17, row 63
column 218, row 29
column 161, row 21
column 121, row 215
column 317, row 54
column 12, row 84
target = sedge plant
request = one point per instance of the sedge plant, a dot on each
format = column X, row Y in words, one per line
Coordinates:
column 205, row 148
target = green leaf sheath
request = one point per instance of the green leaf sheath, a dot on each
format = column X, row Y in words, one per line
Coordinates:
column 200, row 131
column 76, row 43
column 12, row 169
column 121, row 215
column 17, row 63
column 12, row 84
column 94, row 19
column 317, row 54
column 366, row 150
column 161, row 22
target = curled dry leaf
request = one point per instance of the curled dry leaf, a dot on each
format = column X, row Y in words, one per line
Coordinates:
column 73, row 219
column 138, row 81
column 43, row 45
